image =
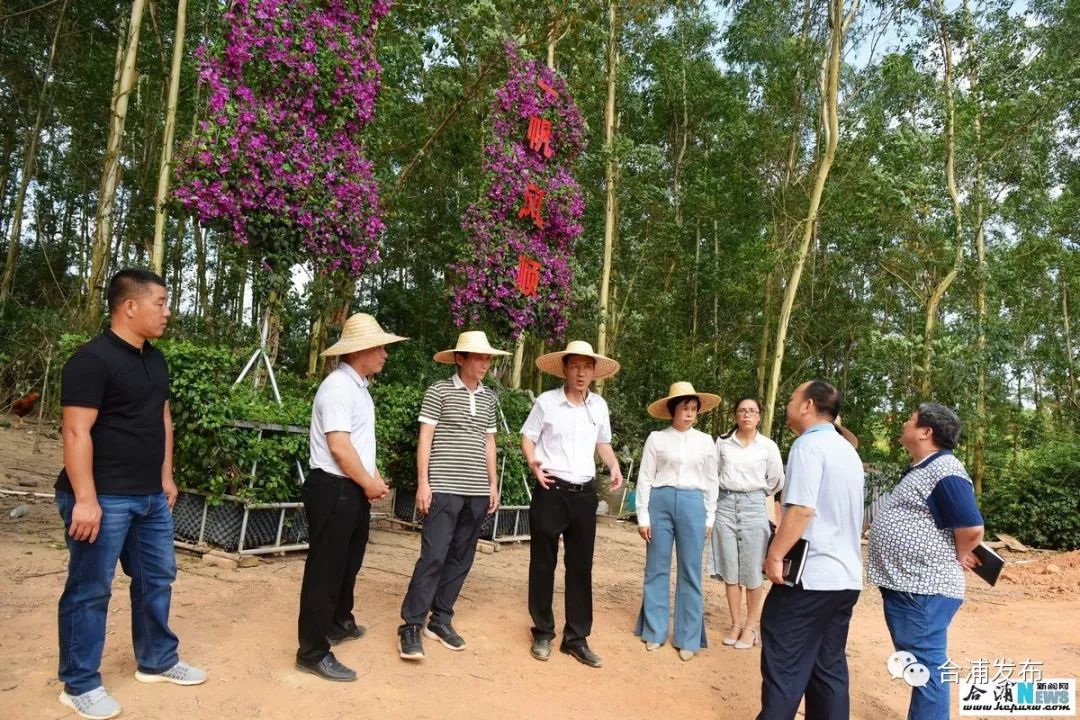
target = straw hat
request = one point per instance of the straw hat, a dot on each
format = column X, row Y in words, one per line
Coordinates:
column 360, row 332
column 471, row 341
column 659, row 409
column 551, row 363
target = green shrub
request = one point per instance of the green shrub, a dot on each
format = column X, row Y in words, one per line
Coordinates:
column 396, row 431
column 1040, row 505
column 515, row 406
column 210, row 454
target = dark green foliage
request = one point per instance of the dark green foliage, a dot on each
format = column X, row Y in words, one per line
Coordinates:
column 1040, row 504
column 511, row 464
column 396, row 409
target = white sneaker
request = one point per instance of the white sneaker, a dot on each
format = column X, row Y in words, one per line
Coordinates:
column 97, row 704
column 179, row 674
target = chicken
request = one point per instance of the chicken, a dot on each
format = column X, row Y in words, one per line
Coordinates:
column 24, row 406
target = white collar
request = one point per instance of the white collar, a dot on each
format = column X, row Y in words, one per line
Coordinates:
column 565, row 399
column 351, row 372
column 460, row 384
column 757, row 439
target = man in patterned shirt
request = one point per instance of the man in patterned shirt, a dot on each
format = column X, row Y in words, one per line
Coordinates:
column 456, row 488
column 920, row 544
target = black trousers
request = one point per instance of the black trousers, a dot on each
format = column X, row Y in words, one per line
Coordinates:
column 803, row 638
column 553, row 513
column 338, row 515
column 447, row 549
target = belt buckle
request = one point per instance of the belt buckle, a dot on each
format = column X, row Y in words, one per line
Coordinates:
column 574, row 487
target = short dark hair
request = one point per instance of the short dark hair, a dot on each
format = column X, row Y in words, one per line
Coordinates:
column 825, row 396
column 942, row 421
column 129, row 282
column 566, row 359
column 674, row 403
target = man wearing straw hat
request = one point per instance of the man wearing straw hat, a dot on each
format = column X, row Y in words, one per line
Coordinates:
column 337, row 496
column 456, row 488
column 563, row 430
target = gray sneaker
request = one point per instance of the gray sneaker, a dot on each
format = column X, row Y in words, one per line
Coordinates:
column 96, row 704
column 179, row 674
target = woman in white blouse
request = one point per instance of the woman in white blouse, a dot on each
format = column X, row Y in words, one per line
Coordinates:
column 676, row 503
column 751, row 472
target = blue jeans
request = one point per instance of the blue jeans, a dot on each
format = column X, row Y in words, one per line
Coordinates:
column 137, row 530
column 678, row 522
column 919, row 624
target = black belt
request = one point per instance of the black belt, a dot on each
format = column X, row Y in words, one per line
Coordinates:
column 335, row 476
column 560, row 484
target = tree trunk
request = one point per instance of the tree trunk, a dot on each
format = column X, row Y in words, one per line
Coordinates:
column 830, row 85
column 609, row 178
column 110, row 175
column 716, row 298
column 5, row 175
column 979, row 464
column 158, row 256
column 766, row 326
column 519, row 361
column 1070, row 367
column 176, row 283
column 934, row 301
column 694, row 297
column 29, row 166
column 201, row 290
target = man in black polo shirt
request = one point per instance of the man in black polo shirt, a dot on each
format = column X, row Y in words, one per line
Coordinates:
column 115, row 495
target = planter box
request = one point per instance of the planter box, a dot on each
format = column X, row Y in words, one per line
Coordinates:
column 237, row 525
column 506, row 525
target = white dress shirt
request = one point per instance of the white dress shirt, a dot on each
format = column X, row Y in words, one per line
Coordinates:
column 566, row 435
column 343, row 404
column 825, row 473
column 754, row 468
column 681, row 459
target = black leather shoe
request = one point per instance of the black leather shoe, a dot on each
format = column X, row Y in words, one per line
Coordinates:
column 353, row 632
column 582, row 654
column 328, row 669
column 541, row 648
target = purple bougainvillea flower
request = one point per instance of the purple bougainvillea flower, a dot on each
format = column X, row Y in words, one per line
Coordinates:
column 279, row 161
column 484, row 286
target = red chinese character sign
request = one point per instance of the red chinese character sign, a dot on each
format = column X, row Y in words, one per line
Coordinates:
column 532, row 205
column 521, row 232
column 540, row 135
column 528, row 275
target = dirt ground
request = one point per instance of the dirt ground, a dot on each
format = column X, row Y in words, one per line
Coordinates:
column 241, row 626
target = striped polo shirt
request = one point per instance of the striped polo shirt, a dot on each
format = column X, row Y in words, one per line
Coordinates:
column 462, row 419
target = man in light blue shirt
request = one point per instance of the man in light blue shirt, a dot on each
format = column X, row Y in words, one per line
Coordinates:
column 804, row 626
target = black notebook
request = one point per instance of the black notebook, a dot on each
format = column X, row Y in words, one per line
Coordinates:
column 991, row 563
column 795, row 562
